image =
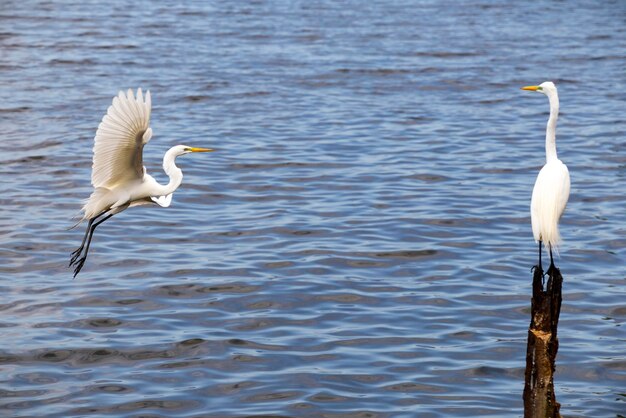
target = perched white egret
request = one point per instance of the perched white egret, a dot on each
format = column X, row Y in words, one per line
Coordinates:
column 552, row 187
column 118, row 176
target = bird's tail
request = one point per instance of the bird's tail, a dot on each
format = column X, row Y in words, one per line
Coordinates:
column 80, row 221
column 80, row 216
column 100, row 198
column 92, row 206
column 554, row 246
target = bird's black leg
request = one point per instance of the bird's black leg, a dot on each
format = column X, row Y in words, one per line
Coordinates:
column 80, row 261
column 538, row 266
column 76, row 253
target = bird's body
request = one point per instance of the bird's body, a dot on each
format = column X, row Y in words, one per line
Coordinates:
column 134, row 192
column 552, row 186
column 118, row 176
column 548, row 202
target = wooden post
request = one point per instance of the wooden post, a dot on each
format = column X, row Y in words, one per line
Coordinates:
column 539, row 399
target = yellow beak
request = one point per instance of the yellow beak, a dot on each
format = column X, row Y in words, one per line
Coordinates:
column 201, row 149
column 532, row 88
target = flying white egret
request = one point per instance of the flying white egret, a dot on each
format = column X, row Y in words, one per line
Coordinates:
column 118, row 176
column 552, row 187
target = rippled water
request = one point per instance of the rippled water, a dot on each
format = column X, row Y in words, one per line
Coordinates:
column 360, row 245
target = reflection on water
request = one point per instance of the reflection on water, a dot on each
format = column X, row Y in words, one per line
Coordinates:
column 360, row 245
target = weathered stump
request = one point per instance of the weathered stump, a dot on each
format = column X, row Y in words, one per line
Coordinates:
column 539, row 398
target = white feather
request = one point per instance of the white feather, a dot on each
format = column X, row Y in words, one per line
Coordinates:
column 119, row 141
column 548, row 202
column 552, row 186
column 119, row 178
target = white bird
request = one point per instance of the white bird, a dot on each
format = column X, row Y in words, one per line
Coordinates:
column 118, row 176
column 552, row 187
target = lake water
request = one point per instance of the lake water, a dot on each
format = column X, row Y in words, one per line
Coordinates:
column 359, row 246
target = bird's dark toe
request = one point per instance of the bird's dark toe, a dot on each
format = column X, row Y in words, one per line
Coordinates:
column 552, row 270
column 73, row 260
column 75, row 254
column 78, row 266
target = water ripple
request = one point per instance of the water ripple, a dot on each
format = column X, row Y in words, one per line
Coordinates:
column 359, row 246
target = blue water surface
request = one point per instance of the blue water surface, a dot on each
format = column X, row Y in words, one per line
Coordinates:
column 360, row 244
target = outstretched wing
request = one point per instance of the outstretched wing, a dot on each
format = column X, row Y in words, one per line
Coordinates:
column 119, row 141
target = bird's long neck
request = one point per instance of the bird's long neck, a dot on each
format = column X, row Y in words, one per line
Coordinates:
column 175, row 174
column 551, row 128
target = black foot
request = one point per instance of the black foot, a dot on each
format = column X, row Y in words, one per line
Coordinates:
column 537, row 272
column 551, row 270
column 78, row 264
column 75, row 254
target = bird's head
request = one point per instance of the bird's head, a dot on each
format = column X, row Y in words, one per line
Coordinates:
column 547, row 88
column 184, row 149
